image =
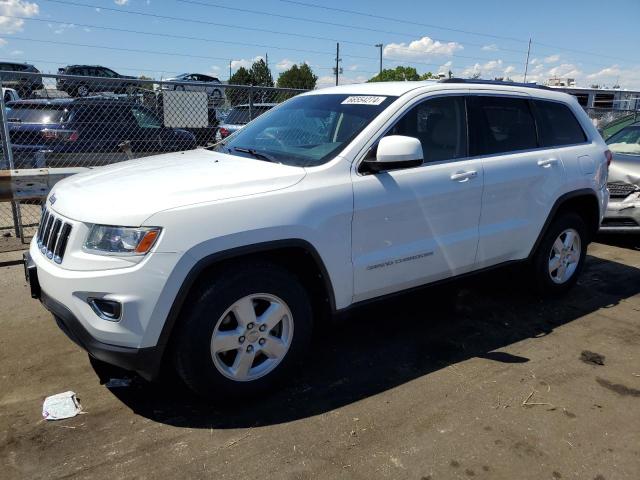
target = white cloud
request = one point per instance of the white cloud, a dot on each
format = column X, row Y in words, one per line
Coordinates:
column 565, row 70
column 445, row 68
column 509, row 69
column 552, row 59
column 244, row 62
column 60, row 28
column 426, row 47
column 16, row 53
column 330, row 80
column 3, row 42
column 120, row 2
column 15, row 8
column 490, row 48
column 353, row 68
column 285, row 64
column 609, row 72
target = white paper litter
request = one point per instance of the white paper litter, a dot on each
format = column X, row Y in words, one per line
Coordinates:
column 61, row 406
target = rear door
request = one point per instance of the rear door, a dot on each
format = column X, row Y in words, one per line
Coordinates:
column 522, row 178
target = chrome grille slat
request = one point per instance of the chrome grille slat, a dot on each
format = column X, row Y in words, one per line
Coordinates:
column 53, row 236
column 621, row 189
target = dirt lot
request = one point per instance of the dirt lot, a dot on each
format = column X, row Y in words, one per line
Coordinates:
column 495, row 389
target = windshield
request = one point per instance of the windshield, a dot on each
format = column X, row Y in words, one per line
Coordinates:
column 36, row 115
column 308, row 130
column 240, row 115
column 626, row 141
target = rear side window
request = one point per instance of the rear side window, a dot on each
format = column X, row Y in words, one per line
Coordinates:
column 557, row 125
column 500, row 125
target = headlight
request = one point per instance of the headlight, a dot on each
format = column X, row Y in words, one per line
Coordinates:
column 105, row 240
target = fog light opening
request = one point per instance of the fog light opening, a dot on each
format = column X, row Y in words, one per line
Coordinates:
column 106, row 309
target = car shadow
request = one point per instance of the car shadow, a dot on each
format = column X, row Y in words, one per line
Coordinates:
column 630, row 241
column 396, row 341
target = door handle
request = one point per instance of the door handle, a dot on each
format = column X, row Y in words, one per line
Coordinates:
column 548, row 162
column 463, row 176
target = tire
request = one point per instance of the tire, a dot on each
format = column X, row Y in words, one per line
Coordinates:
column 550, row 281
column 211, row 319
column 82, row 91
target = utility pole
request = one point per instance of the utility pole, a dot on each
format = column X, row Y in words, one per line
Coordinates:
column 337, row 69
column 230, row 61
column 266, row 59
column 526, row 66
column 380, row 45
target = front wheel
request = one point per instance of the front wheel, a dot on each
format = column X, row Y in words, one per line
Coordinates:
column 560, row 256
column 245, row 329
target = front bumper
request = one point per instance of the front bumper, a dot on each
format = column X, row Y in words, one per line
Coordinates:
column 145, row 361
column 622, row 217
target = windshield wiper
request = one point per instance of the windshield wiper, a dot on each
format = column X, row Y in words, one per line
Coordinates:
column 256, row 154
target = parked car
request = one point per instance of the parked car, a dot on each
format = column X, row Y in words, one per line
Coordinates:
column 63, row 131
column 25, row 85
column 239, row 116
column 195, row 82
column 102, row 79
column 218, row 262
column 10, row 95
column 623, row 212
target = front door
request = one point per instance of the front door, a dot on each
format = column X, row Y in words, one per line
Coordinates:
column 418, row 225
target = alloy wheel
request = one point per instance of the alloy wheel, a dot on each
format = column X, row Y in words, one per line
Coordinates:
column 252, row 337
column 565, row 256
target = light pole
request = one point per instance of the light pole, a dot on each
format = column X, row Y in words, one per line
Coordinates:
column 380, row 45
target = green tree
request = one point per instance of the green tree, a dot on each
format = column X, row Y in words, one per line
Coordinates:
column 236, row 96
column 260, row 74
column 241, row 77
column 145, row 86
column 298, row 77
column 397, row 74
column 428, row 76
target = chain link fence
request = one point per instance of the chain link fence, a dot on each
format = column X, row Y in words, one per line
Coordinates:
column 60, row 121
column 610, row 120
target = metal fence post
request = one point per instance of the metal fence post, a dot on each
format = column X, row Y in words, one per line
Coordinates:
column 7, row 153
column 251, row 102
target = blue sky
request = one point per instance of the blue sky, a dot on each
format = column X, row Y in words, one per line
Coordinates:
column 589, row 40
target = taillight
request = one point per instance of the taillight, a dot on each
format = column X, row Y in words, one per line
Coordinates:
column 223, row 132
column 609, row 156
column 64, row 135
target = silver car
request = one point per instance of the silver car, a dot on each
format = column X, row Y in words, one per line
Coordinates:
column 196, row 82
column 239, row 116
column 623, row 213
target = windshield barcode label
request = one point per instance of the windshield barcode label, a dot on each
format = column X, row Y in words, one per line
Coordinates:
column 363, row 100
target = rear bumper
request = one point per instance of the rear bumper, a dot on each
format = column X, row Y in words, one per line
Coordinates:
column 144, row 361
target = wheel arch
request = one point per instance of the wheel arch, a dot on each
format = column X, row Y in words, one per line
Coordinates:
column 297, row 255
column 583, row 202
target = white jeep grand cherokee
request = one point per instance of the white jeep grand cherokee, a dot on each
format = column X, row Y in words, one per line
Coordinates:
column 218, row 263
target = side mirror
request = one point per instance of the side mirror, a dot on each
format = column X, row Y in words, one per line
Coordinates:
column 395, row 152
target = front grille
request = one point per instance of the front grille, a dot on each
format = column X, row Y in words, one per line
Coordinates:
column 621, row 189
column 53, row 236
column 619, row 222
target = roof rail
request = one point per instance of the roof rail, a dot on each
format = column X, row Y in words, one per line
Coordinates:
column 493, row 82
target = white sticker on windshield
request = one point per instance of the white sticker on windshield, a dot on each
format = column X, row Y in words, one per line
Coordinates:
column 363, row 100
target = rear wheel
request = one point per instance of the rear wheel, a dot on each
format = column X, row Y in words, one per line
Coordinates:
column 82, row 91
column 560, row 256
column 245, row 330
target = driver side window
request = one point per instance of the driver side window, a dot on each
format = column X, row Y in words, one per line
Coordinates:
column 439, row 124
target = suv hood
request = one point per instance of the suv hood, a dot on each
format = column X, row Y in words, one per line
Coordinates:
column 625, row 168
column 128, row 193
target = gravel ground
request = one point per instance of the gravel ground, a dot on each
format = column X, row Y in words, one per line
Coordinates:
column 501, row 385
